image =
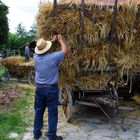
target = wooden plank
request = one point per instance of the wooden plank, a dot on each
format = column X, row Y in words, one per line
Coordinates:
column 54, row 13
column 109, row 69
column 112, row 34
column 87, row 6
column 81, row 30
column 86, row 103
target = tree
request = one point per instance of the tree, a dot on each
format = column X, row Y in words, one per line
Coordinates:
column 12, row 41
column 21, row 34
column 24, row 36
column 4, row 27
column 21, row 37
column 32, row 32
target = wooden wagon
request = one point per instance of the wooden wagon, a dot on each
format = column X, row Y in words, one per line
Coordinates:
column 20, row 71
column 107, row 96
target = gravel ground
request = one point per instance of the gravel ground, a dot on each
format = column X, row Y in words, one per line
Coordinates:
column 90, row 123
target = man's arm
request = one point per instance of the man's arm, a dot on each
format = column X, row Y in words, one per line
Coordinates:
column 62, row 43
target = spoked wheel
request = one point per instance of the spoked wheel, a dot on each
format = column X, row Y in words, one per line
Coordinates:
column 31, row 77
column 67, row 100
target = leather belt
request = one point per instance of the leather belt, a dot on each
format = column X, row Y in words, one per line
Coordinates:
column 46, row 85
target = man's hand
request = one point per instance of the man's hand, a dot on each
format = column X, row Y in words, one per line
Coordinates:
column 62, row 43
column 54, row 38
column 60, row 38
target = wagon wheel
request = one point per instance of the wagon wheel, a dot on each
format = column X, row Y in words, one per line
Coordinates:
column 66, row 98
column 31, row 77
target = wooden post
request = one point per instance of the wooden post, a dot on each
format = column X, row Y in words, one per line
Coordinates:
column 54, row 14
column 19, row 52
column 54, row 8
column 14, row 52
column 112, row 34
column 81, row 31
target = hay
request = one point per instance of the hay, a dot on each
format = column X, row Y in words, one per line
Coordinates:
column 13, row 60
column 94, row 54
column 17, row 67
column 16, row 60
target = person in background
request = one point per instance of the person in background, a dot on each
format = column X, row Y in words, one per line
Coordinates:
column 26, row 53
column 46, row 78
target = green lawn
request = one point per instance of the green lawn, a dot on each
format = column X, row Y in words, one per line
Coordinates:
column 18, row 117
column 2, row 70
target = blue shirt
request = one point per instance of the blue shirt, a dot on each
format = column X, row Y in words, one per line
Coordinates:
column 46, row 66
column 27, row 50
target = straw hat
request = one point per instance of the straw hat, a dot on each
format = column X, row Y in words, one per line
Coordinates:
column 42, row 46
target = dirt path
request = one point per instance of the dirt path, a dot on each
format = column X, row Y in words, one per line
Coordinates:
column 91, row 124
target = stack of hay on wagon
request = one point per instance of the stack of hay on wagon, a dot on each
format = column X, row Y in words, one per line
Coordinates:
column 94, row 54
column 16, row 66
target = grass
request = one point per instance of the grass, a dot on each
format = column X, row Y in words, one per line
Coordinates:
column 17, row 118
column 2, row 70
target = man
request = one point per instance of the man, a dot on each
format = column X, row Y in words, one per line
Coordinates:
column 27, row 53
column 46, row 78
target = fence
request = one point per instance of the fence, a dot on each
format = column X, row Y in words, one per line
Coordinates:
column 8, row 52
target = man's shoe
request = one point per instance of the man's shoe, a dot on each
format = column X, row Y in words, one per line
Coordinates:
column 38, row 138
column 56, row 138
column 59, row 138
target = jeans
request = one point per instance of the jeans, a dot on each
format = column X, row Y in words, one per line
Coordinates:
column 27, row 58
column 46, row 97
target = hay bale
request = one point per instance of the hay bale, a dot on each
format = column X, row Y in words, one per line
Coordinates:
column 17, row 66
column 13, row 60
column 95, row 52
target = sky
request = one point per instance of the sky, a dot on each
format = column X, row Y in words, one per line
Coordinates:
column 22, row 11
